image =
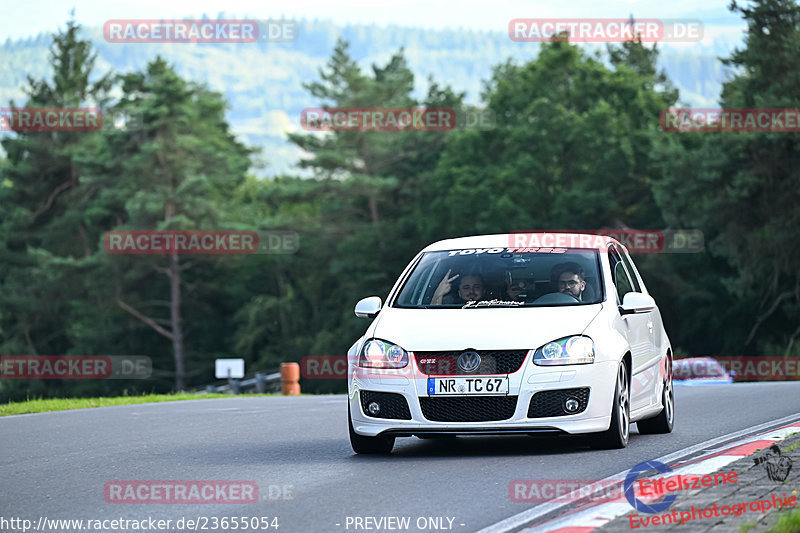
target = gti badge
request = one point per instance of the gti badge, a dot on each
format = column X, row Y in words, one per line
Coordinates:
column 469, row 361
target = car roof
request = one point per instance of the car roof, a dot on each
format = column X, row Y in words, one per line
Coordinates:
column 523, row 239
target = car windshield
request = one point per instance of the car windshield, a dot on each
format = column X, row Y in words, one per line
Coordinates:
column 500, row 277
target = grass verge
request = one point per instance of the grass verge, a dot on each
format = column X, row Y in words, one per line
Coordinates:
column 744, row 528
column 792, row 447
column 788, row 523
column 62, row 404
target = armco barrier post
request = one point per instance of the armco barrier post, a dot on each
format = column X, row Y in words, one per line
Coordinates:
column 261, row 383
column 290, row 376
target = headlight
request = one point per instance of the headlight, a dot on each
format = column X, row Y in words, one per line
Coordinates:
column 381, row 354
column 568, row 351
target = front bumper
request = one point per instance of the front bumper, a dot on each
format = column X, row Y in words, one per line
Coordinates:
column 599, row 378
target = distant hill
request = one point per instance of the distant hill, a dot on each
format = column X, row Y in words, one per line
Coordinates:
column 262, row 81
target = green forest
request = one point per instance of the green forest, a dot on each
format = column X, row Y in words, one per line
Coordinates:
column 577, row 144
column 263, row 82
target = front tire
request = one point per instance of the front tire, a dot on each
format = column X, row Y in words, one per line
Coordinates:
column 618, row 432
column 362, row 444
column 664, row 421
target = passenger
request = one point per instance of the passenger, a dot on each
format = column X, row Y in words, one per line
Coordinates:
column 571, row 280
column 471, row 288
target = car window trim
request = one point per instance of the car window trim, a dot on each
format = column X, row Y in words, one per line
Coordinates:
column 635, row 271
column 404, row 277
column 626, row 261
column 424, row 285
column 601, row 284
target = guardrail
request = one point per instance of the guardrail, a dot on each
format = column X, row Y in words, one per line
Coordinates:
column 261, row 383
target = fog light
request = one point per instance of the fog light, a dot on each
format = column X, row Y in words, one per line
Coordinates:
column 374, row 408
column 571, row 405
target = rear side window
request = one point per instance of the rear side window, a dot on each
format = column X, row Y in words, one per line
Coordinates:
column 621, row 279
column 631, row 271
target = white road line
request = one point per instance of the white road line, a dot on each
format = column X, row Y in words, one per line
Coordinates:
column 525, row 517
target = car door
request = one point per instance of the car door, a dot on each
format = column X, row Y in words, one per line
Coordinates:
column 636, row 331
column 654, row 317
column 658, row 340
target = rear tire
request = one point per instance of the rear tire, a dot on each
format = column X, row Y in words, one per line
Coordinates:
column 618, row 432
column 362, row 444
column 664, row 421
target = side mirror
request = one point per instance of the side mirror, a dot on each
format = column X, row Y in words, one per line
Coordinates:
column 368, row 307
column 636, row 302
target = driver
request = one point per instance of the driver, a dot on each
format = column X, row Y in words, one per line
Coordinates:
column 571, row 280
column 470, row 288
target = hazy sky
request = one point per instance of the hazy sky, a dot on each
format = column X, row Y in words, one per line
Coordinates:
column 22, row 18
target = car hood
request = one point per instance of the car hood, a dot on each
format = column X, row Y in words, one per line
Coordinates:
column 481, row 329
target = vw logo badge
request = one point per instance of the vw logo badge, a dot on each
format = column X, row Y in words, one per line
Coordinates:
column 469, row 361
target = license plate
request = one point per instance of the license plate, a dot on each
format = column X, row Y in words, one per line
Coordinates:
column 464, row 385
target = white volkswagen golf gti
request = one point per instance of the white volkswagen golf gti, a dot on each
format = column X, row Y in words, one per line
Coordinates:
column 512, row 334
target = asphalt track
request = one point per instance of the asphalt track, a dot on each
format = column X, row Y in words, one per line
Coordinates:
column 55, row 465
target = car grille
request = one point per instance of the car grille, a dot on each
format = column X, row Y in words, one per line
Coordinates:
column 492, row 362
column 551, row 402
column 470, row 409
column 392, row 405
